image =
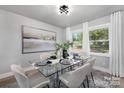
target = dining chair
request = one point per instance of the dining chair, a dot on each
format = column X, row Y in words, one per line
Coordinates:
column 24, row 81
column 74, row 79
column 84, row 55
column 91, row 61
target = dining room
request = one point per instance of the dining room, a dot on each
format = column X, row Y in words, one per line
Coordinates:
column 61, row 46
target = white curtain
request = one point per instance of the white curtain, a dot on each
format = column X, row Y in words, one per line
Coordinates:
column 86, row 47
column 115, row 43
column 68, row 34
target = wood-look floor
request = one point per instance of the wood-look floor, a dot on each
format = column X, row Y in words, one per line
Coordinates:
column 122, row 82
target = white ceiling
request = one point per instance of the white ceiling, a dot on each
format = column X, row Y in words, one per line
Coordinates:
column 49, row 14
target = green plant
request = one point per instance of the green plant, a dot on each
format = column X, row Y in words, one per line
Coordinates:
column 63, row 47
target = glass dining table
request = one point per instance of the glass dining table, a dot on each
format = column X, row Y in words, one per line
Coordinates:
column 56, row 67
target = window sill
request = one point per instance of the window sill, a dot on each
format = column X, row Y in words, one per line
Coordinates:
column 100, row 54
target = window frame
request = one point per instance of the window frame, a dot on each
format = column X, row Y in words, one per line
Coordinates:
column 107, row 25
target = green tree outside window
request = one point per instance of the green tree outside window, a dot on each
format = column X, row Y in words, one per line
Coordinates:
column 99, row 42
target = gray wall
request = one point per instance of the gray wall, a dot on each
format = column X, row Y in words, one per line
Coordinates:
column 11, row 43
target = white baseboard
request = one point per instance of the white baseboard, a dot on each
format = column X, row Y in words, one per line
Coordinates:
column 5, row 75
column 101, row 69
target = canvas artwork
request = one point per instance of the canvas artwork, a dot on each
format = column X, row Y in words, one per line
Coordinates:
column 37, row 40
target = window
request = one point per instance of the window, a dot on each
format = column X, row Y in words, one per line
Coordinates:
column 77, row 38
column 99, row 40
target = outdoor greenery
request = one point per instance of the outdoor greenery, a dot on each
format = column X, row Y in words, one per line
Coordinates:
column 99, row 42
column 77, row 40
column 99, row 34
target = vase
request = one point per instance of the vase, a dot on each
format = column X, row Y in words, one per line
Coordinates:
column 65, row 54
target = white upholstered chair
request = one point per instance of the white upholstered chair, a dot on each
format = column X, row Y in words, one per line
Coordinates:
column 74, row 79
column 24, row 81
column 91, row 61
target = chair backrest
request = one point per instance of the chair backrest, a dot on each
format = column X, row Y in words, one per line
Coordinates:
column 91, row 61
column 20, row 76
column 84, row 55
column 77, row 76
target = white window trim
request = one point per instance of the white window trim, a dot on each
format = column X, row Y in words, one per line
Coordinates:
column 74, row 31
column 100, row 54
column 99, row 26
column 107, row 25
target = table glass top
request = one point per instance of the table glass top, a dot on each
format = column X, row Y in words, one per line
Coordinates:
column 50, row 67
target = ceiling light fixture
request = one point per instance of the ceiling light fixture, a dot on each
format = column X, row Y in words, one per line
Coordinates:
column 64, row 9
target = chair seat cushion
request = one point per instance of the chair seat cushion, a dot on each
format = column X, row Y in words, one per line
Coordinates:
column 38, row 80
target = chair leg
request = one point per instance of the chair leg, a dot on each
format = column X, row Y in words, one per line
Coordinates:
column 59, row 83
column 48, row 85
column 83, row 85
column 92, row 78
column 62, row 83
column 61, row 71
column 87, row 81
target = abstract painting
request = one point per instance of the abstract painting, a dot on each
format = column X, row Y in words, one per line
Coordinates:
column 37, row 40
